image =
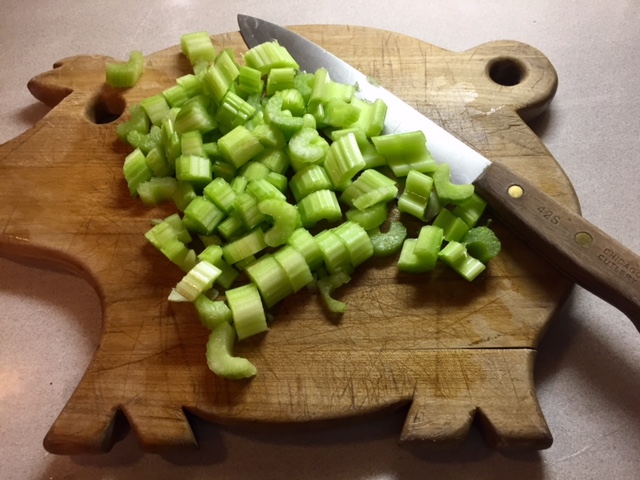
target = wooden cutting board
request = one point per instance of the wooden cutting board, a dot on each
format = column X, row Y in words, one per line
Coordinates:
column 448, row 351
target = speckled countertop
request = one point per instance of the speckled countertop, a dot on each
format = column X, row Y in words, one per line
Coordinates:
column 588, row 368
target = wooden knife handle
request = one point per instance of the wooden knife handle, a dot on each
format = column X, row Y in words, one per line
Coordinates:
column 583, row 252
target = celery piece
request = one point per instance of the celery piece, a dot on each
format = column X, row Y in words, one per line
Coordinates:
column 408, row 260
column 239, row 146
column 213, row 254
column 456, row 256
column 198, row 280
column 239, row 184
column 389, row 243
column 170, row 141
column 248, row 312
column 303, row 83
column 405, row 151
column 127, row 74
column 357, row 241
column 219, row 355
column 295, row 266
column 340, row 114
column 212, row 312
column 197, row 46
column 319, row 205
column 276, row 160
column 156, row 107
column 269, row 136
column 191, row 84
column 454, row 228
column 268, row 55
column 202, row 216
column 434, row 205
column 211, row 150
column 447, row 191
column 191, row 144
column 138, row 121
column 428, row 246
column 334, row 252
column 233, row 111
column 178, row 253
column 246, row 207
column 327, row 285
column 176, row 223
column 176, row 95
column 158, row 164
column 470, row 210
column 194, row 169
column 325, row 89
column 370, row 217
column 231, row 227
column 183, row 195
column 371, row 156
column 285, row 220
column 283, row 120
column 261, row 190
column 277, row 180
column 343, row 161
column 157, row 190
column 416, row 194
column 220, row 76
column 304, row 243
column 306, row 147
column 223, row 169
column 194, row 115
column 160, row 234
column 254, row 171
column 482, row 243
column 244, row 247
column 270, row 278
column 249, row 81
column 145, row 141
column 370, row 188
column 293, row 101
column 280, row 79
column 372, row 116
column 308, row 180
column 221, row 194
column 136, row 171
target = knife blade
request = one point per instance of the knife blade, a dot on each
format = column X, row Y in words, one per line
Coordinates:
column 579, row 249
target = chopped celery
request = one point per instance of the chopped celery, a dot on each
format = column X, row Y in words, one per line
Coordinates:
column 447, row 191
column 194, row 169
column 136, row 171
column 428, row 245
column 280, row 79
column 319, row 205
column 370, row 217
column 126, row 74
column 482, row 243
column 343, row 161
column 219, row 354
column 416, row 194
column 405, row 152
column 248, row 312
column 262, row 189
column 198, row 280
column 285, row 217
column 456, row 256
column 389, row 243
column 308, row 180
column 157, row 190
column 270, row 278
column 221, row 194
column 212, row 312
column 470, row 210
column 239, row 146
column 197, row 46
column 357, row 241
column 267, row 56
column 304, row 242
column 327, row 285
column 454, row 228
column 340, row 114
column 295, row 266
column 244, row 247
column 334, row 252
column 202, row 216
column 306, row 147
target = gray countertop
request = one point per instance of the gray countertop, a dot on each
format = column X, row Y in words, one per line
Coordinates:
column 588, row 367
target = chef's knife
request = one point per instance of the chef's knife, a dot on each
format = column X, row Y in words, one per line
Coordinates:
column 583, row 252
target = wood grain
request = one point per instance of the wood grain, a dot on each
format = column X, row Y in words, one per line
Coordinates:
column 449, row 351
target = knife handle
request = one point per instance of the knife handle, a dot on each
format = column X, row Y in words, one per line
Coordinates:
column 583, row 252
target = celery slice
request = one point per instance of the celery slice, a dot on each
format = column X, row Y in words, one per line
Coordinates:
column 157, row 190
column 197, row 46
column 212, row 312
column 194, row 169
column 221, row 194
column 343, row 161
column 319, row 205
column 389, row 243
column 334, row 252
column 370, row 217
column 198, row 280
column 454, row 228
column 470, row 210
column 327, row 285
column 280, row 79
column 136, row 171
column 285, row 217
column 262, row 189
column 269, row 55
column 416, row 194
column 302, row 240
column 308, row 180
column 239, row 146
column 270, row 278
column 447, row 191
column 357, row 241
column 219, row 355
column 248, row 312
column 295, row 266
column 127, row 74
column 306, row 147
column 202, row 216
column 244, row 247
column 428, row 246
column 456, row 256
column 482, row 243
column 246, row 207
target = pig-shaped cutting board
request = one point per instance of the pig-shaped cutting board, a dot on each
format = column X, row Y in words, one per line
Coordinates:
column 448, row 351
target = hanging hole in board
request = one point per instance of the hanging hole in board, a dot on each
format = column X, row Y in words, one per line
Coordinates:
column 506, row 71
column 106, row 107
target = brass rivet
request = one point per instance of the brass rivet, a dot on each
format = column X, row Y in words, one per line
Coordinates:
column 583, row 239
column 515, row 191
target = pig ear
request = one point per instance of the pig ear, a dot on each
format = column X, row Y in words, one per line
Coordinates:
column 78, row 73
